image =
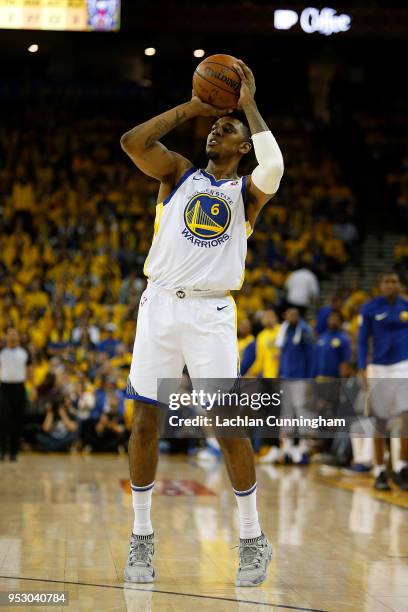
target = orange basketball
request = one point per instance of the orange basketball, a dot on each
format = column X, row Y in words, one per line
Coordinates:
column 216, row 81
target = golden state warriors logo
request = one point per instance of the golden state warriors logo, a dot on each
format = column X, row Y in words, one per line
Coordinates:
column 206, row 216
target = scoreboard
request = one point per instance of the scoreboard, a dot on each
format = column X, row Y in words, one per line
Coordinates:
column 79, row 15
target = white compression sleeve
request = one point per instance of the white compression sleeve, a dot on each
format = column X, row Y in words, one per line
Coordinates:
column 268, row 173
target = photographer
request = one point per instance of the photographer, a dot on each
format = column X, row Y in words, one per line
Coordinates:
column 110, row 429
column 59, row 429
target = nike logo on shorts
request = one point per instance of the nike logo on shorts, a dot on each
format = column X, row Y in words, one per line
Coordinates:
column 222, row 307
column 380, row 317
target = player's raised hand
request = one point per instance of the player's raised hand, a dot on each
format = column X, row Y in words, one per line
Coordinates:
column 202, row 109
column 248, row 86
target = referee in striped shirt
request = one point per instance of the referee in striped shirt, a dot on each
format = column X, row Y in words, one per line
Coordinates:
column 15, row 369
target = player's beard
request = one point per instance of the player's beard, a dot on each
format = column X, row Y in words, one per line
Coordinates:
column 213, row 155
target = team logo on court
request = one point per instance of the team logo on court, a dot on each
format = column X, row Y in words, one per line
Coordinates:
column 207, row 217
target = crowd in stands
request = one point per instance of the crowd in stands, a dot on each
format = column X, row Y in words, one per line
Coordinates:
column 76, row 222
column 385, row 137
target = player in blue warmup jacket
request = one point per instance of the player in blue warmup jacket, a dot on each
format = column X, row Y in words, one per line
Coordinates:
column 383, row 358
column 333, row 350
column 297, row 362
column 322, row 315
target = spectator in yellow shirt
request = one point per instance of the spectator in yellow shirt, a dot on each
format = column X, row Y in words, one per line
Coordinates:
column 266, row 353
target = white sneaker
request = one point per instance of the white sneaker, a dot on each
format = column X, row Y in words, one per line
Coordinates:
column 139, row 567
column 255, row 555
column 272, row 456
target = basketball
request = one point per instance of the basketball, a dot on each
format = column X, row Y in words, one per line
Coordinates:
column 216, row 81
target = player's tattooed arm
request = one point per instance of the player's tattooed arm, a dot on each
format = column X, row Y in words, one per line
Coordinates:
column 143, row 145
column 164, row 126
column 264, row 181
column 254, row 118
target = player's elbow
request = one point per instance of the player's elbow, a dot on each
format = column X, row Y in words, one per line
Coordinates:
column 125, row 141
column 275, row 169
column 273, row 163
column 130, row 142
column 267, row 177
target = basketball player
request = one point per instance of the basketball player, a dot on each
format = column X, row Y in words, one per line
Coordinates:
column 384, row 321
column 186, row 315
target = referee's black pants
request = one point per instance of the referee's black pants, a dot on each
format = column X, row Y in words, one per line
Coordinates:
column 12, row 404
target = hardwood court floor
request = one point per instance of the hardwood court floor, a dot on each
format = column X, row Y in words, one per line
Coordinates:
column 65, row 524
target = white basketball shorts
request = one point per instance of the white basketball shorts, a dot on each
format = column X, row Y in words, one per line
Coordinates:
column 388, row 385
column 176, row 328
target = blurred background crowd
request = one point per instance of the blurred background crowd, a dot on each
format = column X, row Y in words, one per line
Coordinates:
column 76, row 222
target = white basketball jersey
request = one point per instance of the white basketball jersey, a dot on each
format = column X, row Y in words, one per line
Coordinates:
column 200, row 235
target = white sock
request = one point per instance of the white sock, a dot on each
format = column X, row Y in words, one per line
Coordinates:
column 378, row 469
column 142, row 502
column 400, row 465
column 248, row 514
column 214, row 443
column 303, row 446
column 287, row 445
column 296, row 454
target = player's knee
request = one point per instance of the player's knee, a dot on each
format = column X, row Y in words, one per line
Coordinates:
column 144, row 421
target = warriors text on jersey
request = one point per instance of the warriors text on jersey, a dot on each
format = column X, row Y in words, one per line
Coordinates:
column 200, row 235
